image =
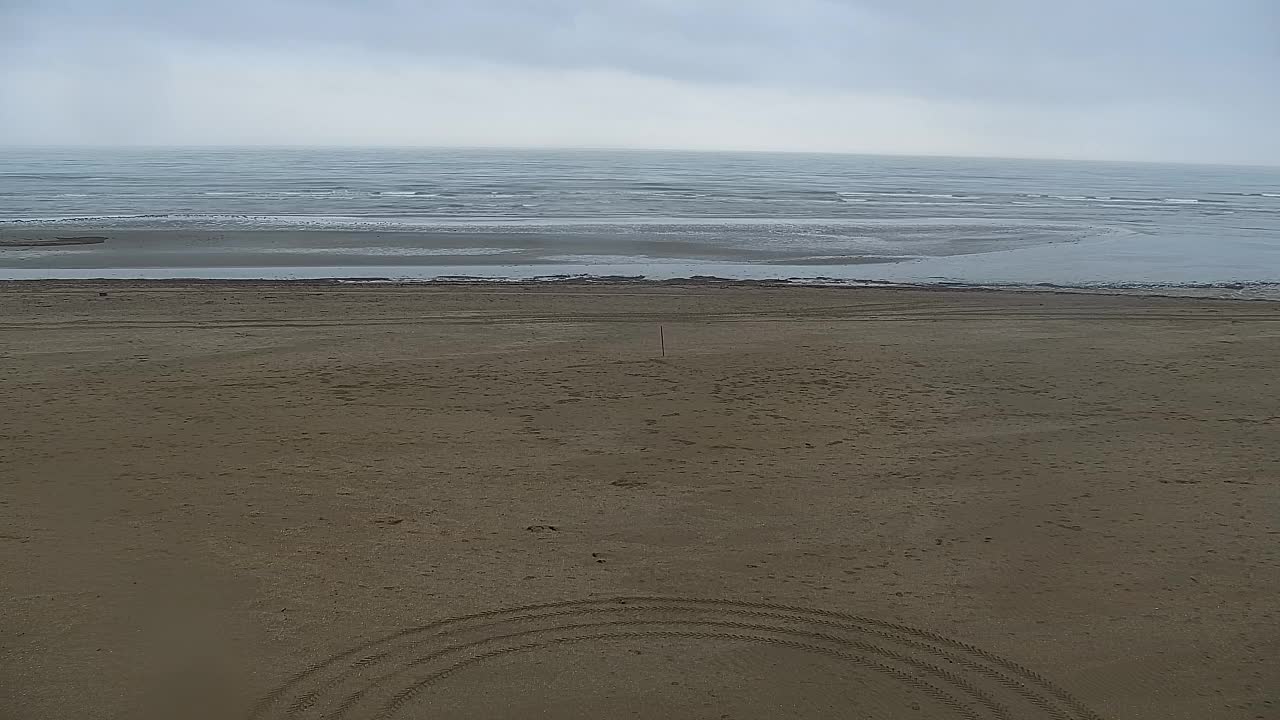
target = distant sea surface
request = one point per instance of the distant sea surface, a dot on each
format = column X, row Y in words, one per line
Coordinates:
column 421, row 214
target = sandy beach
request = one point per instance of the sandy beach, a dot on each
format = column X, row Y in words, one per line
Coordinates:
column 274, row 500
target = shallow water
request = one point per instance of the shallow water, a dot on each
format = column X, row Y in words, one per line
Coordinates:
column 422, row 213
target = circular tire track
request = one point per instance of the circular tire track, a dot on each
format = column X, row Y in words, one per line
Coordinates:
column 383, row 677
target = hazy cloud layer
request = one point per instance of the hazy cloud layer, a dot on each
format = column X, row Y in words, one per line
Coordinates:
column 1140, row 79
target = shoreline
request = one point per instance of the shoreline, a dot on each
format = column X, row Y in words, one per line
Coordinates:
column 1227, row 292
column 945, row 252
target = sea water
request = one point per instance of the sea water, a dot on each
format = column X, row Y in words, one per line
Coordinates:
column 424, row 213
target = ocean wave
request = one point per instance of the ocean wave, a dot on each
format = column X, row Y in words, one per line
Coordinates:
column 622, row 260
column 998, row 200
column 937, row 196
column 1120, row 200
column 76, row 218
column 385, row 251
column 275, row 194
column 60, row 177
column 935, row 203
column 432, row 222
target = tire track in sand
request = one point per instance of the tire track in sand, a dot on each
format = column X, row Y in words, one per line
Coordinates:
column 384, row 678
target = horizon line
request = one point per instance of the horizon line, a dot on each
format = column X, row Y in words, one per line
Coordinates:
column 607, row 148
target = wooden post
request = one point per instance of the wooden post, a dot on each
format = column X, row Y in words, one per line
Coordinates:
column 662, row 338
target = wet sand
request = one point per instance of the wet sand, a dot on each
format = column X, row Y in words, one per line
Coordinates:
column 274, row 500
column 208, row 252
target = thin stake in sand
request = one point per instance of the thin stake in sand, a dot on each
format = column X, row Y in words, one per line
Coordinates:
column 662, row 340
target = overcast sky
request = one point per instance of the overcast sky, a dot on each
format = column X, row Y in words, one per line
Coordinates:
column 1178, row 80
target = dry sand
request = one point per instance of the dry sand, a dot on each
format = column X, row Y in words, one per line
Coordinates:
column 262, row 500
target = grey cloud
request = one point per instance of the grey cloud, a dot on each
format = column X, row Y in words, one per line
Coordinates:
column 1171, row 57
column 1087, row 50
